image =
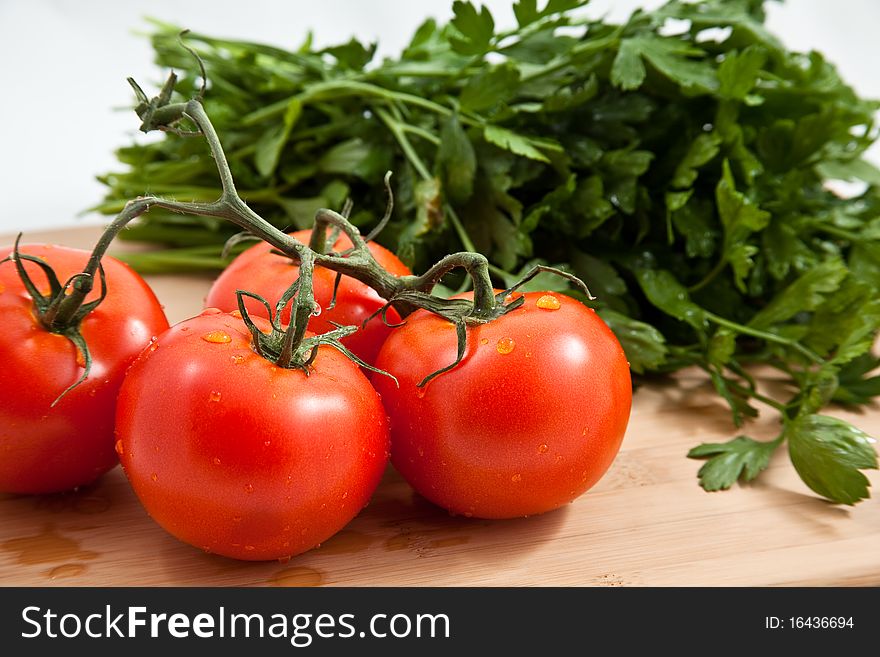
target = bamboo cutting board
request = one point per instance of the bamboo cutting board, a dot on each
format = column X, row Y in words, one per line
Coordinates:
column 647, row 522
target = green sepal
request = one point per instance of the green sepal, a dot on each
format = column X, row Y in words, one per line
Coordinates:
column 270, row 345
column 47, row 307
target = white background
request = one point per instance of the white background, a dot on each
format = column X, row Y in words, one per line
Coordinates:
column 63, row 66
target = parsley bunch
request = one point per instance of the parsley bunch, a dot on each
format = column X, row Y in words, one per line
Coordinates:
column 677, row 163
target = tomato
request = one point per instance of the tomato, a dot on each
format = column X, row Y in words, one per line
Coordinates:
column 43, row 448
column 529, row 420
column 237, row 456
column 270, row 274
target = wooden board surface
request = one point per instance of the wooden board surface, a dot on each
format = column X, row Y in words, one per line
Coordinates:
column 646, row 523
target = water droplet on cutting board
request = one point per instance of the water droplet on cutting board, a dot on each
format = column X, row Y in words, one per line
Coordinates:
column 66, row 570
column 46, row 547
column 297, row 576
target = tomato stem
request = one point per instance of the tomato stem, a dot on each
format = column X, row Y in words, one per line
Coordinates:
column 405, row 293
column 304, row 306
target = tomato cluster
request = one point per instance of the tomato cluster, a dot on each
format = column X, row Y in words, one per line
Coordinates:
column 236, row 455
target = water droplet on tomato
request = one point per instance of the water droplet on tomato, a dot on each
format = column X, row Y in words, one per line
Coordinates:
column 216, row 460
column 505, row 345
column 286, row 528
column 236, row 313
column 542, row 448
column 266, row 443
column 248, row 488
column 217, row 337
column 484, row 341
column 584, row 432
column 154, row 477
column 345, row 494
column 516, row 478
column 184, row 329
column 215, row 396
column 237, row 358
column 206, row 549
column 420, row 392
column 236, row 518
column 119, row 448
column 468, row 514
column 548, row 302
column 249, row 548
column 211, row 311
column 284, row 559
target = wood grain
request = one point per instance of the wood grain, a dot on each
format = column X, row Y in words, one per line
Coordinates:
column 646, row 523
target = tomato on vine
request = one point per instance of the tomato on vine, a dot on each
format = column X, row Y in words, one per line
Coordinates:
column 265, row 271
column 236, row 455
column 529, row 419
column 63, row 364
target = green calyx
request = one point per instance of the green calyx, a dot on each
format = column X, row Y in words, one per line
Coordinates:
column 486, row 307
column 63, row 309
column 288, row 347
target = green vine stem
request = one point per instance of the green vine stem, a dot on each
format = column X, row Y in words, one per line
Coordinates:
column 405, row 293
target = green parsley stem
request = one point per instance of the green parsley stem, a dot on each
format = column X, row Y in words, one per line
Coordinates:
column 764, row 335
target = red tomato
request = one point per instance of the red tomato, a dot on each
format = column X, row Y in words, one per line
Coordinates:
column 529, row 420
column 235, row 455
column 46, row 449
column 269, row 275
